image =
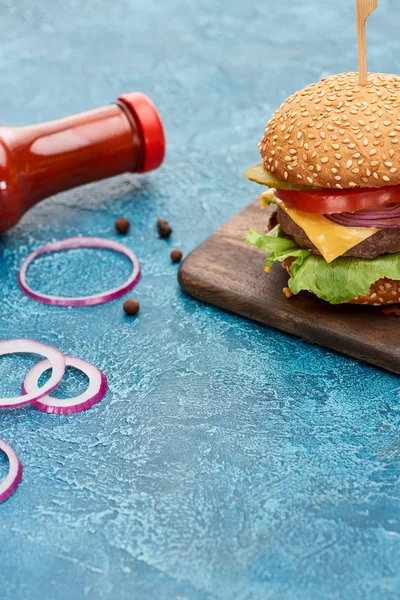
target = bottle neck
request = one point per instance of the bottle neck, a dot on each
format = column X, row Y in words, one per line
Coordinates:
column 52, row 157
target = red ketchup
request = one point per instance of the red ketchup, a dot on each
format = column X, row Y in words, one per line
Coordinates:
column 41, row 160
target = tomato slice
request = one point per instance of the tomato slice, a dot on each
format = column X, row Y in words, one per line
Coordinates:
column 326, row 201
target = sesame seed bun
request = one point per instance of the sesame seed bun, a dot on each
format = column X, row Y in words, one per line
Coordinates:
column 384, row 291
column 381, row 293
column 336, row 133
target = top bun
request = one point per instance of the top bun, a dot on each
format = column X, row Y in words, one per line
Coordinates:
column 337, row 134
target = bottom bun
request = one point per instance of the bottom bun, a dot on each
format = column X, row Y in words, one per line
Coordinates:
column 382, row 292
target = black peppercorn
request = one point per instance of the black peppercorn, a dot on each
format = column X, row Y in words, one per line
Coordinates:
column 164, row 228
column 176, row 256
column 122, row 225
column 131, row 307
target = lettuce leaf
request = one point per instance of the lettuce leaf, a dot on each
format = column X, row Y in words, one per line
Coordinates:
column 279, row 247
column 337, row 282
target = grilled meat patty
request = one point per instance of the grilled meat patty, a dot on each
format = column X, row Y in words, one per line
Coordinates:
column 386, row 241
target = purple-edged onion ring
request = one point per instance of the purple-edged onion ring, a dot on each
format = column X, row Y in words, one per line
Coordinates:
column 14, row 476
column 384, row 217
column 56, row 361
column 95, row 391
column 81, row 242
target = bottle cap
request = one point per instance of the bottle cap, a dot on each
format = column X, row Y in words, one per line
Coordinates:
column 151, row 127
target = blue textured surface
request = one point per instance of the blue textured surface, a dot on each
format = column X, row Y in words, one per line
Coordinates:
column 227, row 461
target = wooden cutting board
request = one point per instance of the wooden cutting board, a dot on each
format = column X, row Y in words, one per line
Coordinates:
column 226, row 272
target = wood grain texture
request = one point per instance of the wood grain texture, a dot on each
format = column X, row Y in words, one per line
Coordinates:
column 226, row 272
column 363, row 10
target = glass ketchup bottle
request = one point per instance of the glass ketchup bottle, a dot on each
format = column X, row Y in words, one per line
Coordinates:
column 41, row 160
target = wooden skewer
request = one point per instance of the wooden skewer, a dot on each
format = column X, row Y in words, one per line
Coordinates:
column 364, row 9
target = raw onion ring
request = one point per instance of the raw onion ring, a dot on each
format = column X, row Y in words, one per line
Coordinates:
column 385, row 217
column 95, row 391
column 14, row 476
column 81, row 242
column 56, row 360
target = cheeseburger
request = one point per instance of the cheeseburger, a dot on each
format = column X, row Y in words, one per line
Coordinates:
column 331, row 158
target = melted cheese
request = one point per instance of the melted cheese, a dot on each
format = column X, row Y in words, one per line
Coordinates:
column 331, row 239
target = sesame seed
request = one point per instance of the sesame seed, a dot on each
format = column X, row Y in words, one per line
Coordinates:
column 372, row 152
column 393, row 170
column 309, row 180
column 286, row 174
column 388, row 164
column 375, row 163
column 338, row 156
column 386, row 178
column 366, row 142
column 349, row 164
column 325, row 159
column 352, row 146
column 356, row 155
column 352, row 184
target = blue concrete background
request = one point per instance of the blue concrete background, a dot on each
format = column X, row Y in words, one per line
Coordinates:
column 227, row 460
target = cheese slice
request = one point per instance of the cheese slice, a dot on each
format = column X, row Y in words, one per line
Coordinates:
column 331, row 239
